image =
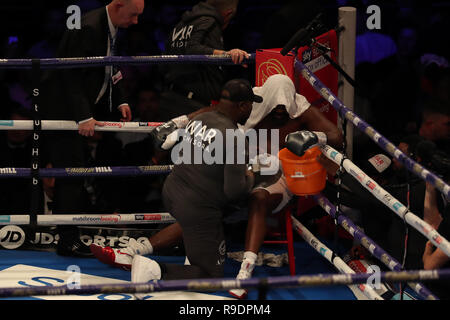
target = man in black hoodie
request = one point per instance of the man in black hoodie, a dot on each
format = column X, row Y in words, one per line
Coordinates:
column 192, row 87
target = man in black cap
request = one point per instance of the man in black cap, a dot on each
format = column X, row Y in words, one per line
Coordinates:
column 195, row 194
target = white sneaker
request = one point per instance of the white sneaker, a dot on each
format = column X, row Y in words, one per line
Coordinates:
column 244, row 273
column 144, row 270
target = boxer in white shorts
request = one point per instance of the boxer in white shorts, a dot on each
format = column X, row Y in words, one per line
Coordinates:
column 279, row 187
column 288, row 112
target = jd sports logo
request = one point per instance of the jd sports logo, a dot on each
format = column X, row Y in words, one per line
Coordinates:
column 11, row 237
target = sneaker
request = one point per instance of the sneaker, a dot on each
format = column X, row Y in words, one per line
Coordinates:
column 239, row 293
column 75, row 248
column 119, row 258
column 244, row 273
column 144, row 270
column 69, row 243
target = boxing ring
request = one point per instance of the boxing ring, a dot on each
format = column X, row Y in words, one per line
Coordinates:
column 41, row 275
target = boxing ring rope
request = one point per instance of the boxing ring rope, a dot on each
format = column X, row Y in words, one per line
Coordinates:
column 384, row 143
column 89, row 219
column 387, row 199
column 113, row 171
column 370, row 245
column 229, row 283
column 334, row 259
column 101, row 61
column 66, row 125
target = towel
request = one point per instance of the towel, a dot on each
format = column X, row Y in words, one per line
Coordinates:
column 270, row 259
column 278, row 89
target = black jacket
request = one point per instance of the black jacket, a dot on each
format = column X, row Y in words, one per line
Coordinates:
column 198, row 33
column 70, row 94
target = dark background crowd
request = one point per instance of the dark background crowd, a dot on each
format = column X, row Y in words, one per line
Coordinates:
column 402, row 69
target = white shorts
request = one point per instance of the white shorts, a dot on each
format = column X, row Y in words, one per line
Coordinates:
column 279, row 187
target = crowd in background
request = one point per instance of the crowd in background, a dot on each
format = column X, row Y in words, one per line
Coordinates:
column 402, row 70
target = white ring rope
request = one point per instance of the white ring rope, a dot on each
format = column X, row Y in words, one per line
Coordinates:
column 89, row 219
column 392, row 203
column 340, row 265
column 67, row 125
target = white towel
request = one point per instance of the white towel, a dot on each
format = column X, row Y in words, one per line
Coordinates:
column 278, row 89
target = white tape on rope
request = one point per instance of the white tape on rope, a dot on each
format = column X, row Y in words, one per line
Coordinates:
column 72, row 125
column 99, row 219
column 89, row 219
column 340, row 265
column 387, row 199
column 14, row 219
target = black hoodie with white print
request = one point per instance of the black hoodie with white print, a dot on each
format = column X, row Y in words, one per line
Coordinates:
column 198, row 33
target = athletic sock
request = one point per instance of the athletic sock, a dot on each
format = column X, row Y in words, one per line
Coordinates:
column 247, row 266
column 142, row 248
column 251, row 256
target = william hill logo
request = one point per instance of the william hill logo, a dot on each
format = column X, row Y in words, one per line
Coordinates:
column 8, row 171
column 89, row 170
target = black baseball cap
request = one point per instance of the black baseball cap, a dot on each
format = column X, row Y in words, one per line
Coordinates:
column 239, row 90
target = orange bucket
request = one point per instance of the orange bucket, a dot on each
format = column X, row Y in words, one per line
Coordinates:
column 304, row 175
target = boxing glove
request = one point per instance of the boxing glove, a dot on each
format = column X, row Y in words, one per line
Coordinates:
column 300, row 141
column 165, row 136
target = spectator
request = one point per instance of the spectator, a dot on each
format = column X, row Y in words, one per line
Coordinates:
column 147, row 110
column 286, row 21
column 435, row 258
column 166, row 18
column 435, row 124
column 53, row 30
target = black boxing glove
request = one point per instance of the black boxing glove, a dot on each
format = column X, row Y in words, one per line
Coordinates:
column 299, row 141
column 165, row 136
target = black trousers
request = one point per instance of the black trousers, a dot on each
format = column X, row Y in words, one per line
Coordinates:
column 203, row 233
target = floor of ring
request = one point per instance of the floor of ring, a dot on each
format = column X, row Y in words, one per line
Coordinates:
column 32, row 268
